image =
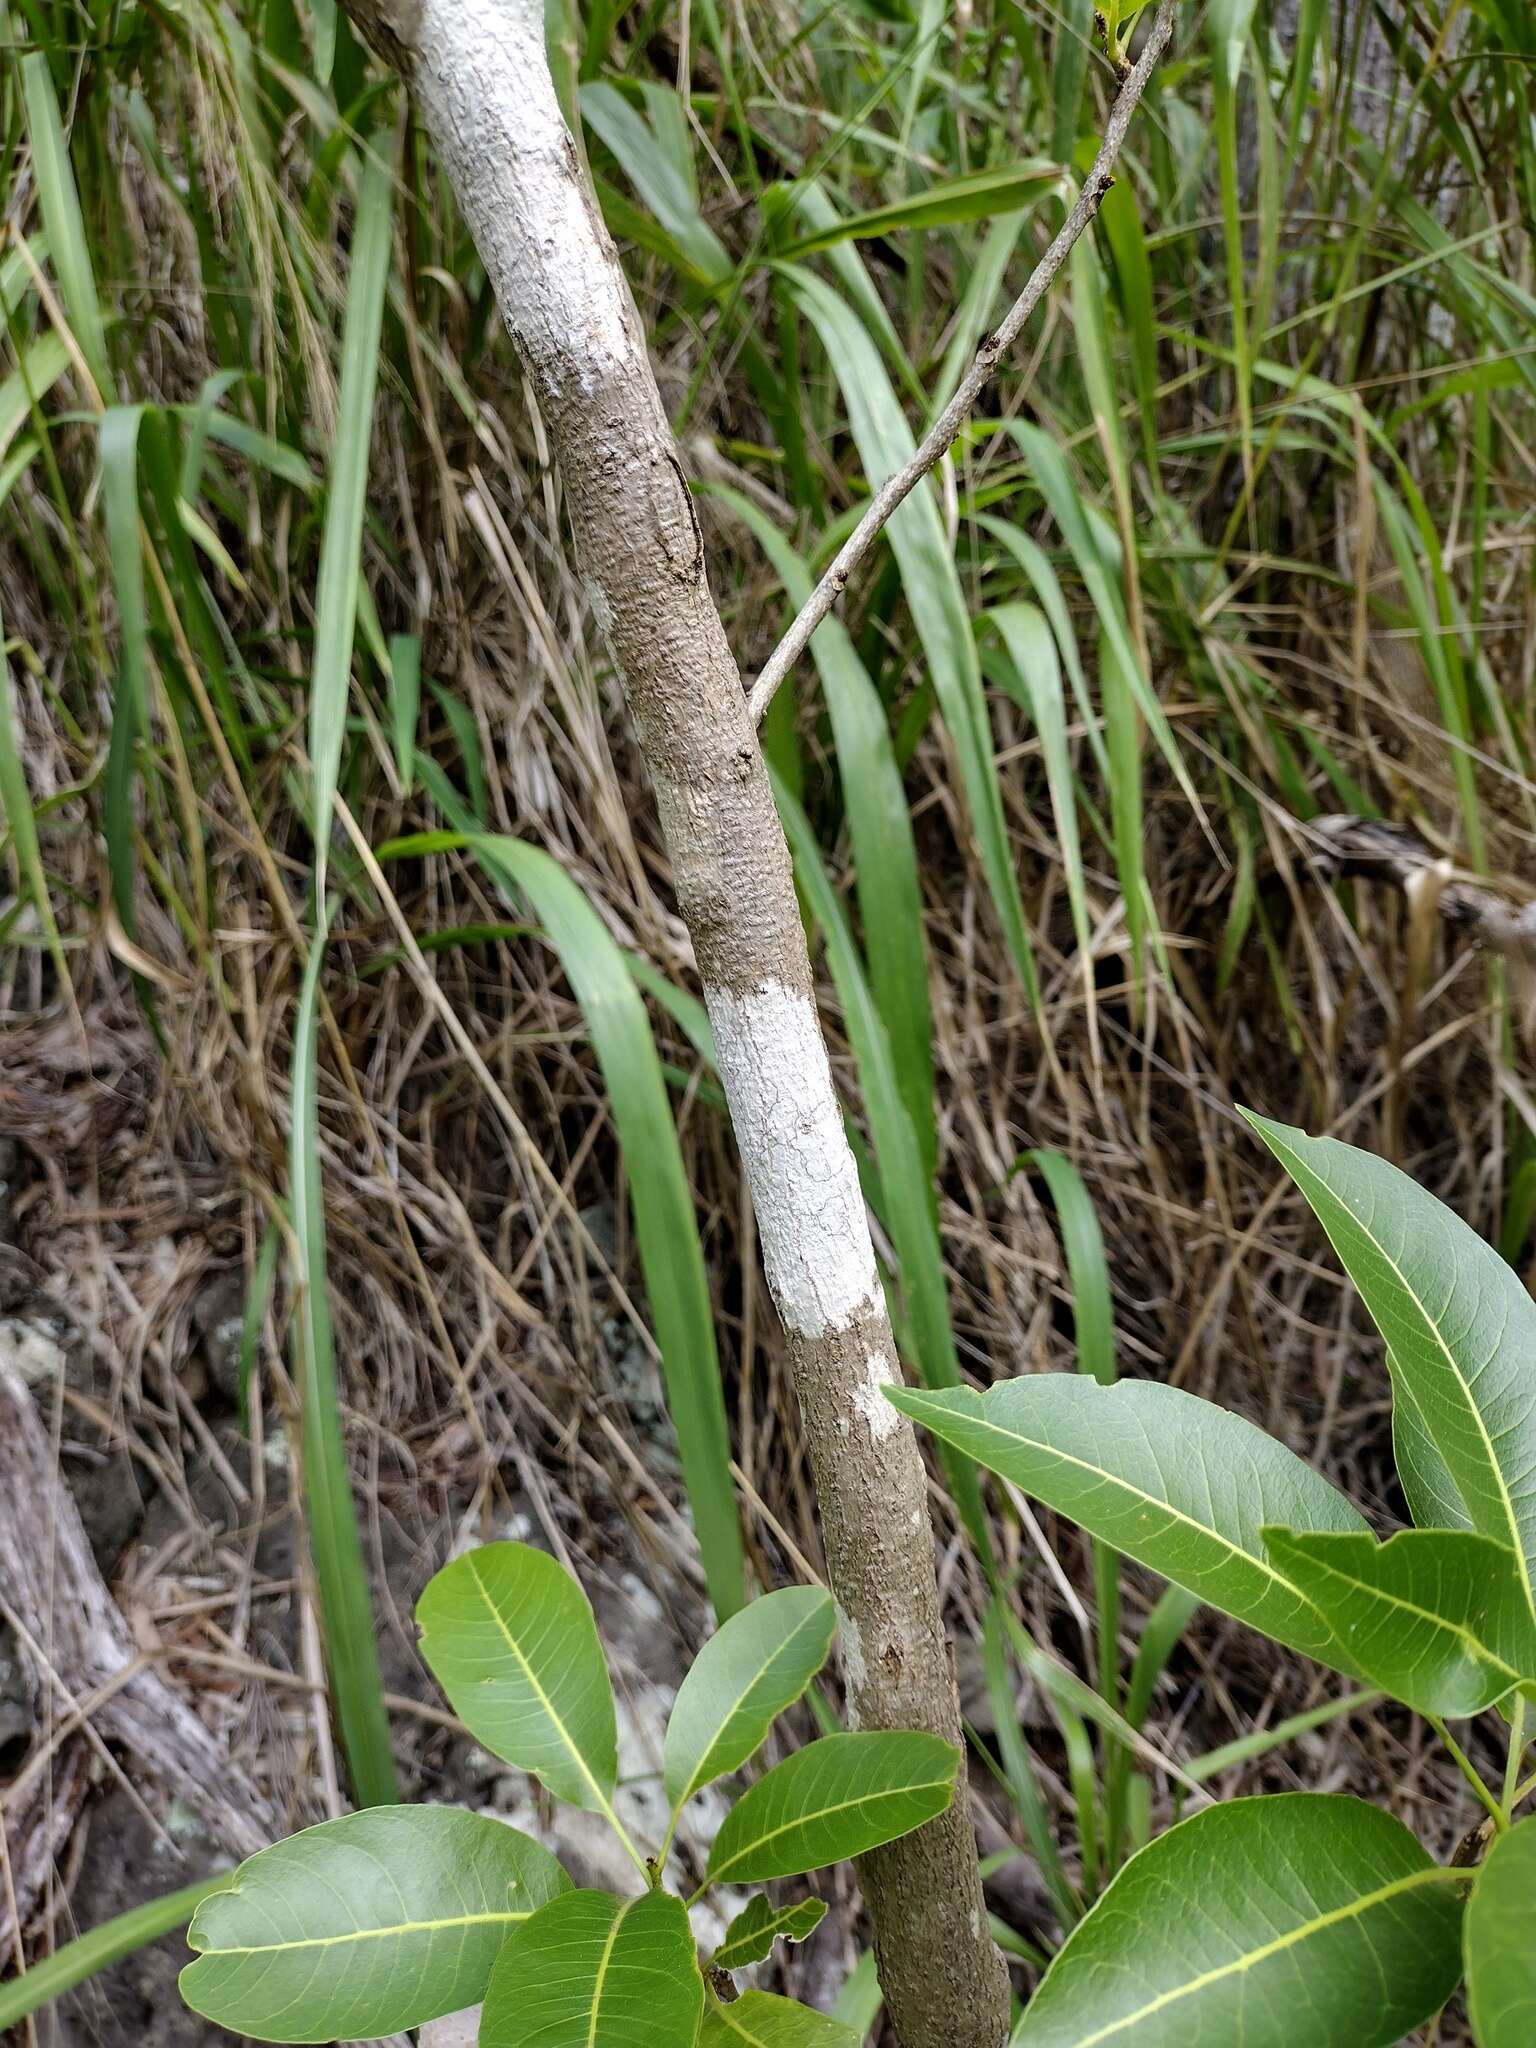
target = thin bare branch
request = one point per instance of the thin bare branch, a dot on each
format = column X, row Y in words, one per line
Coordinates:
column 949, row 422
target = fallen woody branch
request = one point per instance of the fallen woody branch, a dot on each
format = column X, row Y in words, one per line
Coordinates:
column 1375, row 851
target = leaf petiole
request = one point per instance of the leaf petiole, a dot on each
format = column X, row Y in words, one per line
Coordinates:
column 1470, row 1772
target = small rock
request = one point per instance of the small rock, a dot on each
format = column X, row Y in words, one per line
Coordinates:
column 458, row 2030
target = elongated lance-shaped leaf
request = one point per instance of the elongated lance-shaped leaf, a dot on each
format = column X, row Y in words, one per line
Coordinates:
column 1033, row 678
column 751, row 1935
column 346, row 1609
column 932, row 585
column 666, row 1227
column 1499, row 1942
column 978, row 195
column 1460, row 1328
column 1436, row 1617
column 119, row 440
column 511, row 1640
column 759, row 2020
column 832, row 1800
column 365, row 1925
column 1179, row 1484
column 1093, row 1311
column 1054, row 480
column 336, row 590
column 593, row 1971
column 1301, row 1918
column 18, row 818
column 754, row 1666
column 124, row 1935
column 43, row 363
column 59, row 199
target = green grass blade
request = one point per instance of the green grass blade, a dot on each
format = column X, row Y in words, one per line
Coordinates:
column 60, row 202
column 662, row 183
column 665, row 1224
column 979, row 195
column 119, row 442
column 880, row 827
column 43, row 363
column 1069, row 70
column 666, row 1228
column 104, row 1945
column 20, row 821
column 1055, row 484
column 346, row 1609
column 1086, row 1263
column 1033, row 678
column 404, row 701
column 933, row 591
column 1019, row 1767
column 973, row 316
column 336, row 596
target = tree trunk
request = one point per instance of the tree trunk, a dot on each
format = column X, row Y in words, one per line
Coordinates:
column 478, row 72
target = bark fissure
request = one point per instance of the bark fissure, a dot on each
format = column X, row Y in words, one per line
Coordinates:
column 478, row 72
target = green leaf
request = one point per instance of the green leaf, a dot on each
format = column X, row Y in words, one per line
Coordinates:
column 404, row 701
column 119, row 442
column 666, row 1227
column 664, row 183
column 1229, row 22
column 511, row 1640
column 1171, row 1480
column 1436, row 1617
column 346, row 1605
column 19, row 819
column 976, row 196
column 340, row 573
column 593, row 1971
column 761, row 2021
column 121, row 1936
column 1300, row 1919
column 933, row 590
column 757, row 1664
column 1093, row 1311
column 751, row 1935
column 833, row 1799
column 1055, row 483
column 1499, row 1942
column 44, row 362
column 1033, row 679
column 59, row 200
column 1460, row 1328
column 1433, row 1497
column 366, row 1925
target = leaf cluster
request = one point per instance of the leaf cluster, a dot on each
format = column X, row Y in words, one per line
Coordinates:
column 1310, row 1917
column 397, row 1915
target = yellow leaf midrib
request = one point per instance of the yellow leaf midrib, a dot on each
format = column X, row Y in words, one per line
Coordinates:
column 1435, row 1874
column 399, row 1928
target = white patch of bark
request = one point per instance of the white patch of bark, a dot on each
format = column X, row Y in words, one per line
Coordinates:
column 29, row 1347
column 880, row 1418
column 855, row 1670
column 805, row 1187
column 483, row 82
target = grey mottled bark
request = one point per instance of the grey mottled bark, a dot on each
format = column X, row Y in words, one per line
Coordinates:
column 69, row 1625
